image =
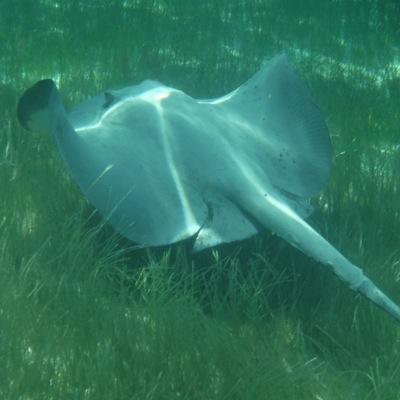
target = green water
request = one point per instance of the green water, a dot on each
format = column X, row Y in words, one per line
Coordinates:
column 83, row 315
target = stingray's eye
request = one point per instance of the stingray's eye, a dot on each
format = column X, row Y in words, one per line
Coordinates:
column 109, row 99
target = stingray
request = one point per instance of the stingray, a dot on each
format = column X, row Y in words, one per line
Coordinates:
column 161, row 166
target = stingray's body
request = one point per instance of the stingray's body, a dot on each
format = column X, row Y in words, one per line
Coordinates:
column 161, row 166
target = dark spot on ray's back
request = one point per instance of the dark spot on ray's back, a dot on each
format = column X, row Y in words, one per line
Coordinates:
column 210, row 211
column 109, row 99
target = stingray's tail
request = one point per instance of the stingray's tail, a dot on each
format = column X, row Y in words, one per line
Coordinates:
column 283, row 221
column 368, row 289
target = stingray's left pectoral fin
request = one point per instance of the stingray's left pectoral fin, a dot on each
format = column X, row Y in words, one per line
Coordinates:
column 36, row 105
column 40, row 110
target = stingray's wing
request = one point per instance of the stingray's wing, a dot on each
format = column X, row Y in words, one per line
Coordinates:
column 123, row 163
column 280, row 107
column 274, row 123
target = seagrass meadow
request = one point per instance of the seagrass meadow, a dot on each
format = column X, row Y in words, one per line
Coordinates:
column 84, row 314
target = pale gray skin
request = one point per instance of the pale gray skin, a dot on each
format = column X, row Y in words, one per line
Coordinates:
column 161, row 166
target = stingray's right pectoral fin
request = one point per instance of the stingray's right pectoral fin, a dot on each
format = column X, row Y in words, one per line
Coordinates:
column 36, row 106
